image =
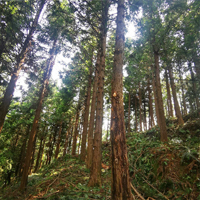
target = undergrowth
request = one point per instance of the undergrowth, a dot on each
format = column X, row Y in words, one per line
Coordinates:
column 157, row 170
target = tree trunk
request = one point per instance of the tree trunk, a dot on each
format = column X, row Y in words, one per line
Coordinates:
column 140, row 105
column 86, row 114
column 145, row 119
column 158, row 92
column 58, row 141
column 42, row 152
column 67, row 137
column 19, row 168
column 155, row 97
column 183, row 93
column 76, row 129
column 20, row 61
column 95, row 173
column 169, row 101
column 176, row 105
column 47, row 74
column 129, row 112
column 194, row 86
column 38, row 156
column 70, row 140
column 120, row 187
column 151, row 119
column 92, row 114
column 136, row 124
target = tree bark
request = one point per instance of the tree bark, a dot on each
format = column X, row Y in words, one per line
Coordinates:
column 158, row 92
column 86, row 114
column 140, row 105
column 38, row 156
column 67, row 137
column 47, row 74
column 155, row 97
column 169, row 101
column 42, row 152
column 92, row 114
column 20, row 61
column 76, row 129
column 194, row 86
column 58, row 141
column 136, row 124
column 95, row 173
column 120, row 187
column 183, row 93
column 129, row 112
column 176, row 105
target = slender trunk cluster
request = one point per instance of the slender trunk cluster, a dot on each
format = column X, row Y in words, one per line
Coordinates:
column 95, row 175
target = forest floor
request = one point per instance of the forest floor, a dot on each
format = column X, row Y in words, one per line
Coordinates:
column 157, row 171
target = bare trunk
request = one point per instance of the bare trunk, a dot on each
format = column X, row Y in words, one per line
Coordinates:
column 38, row 156
column 42, row 152
column 194, row 86
column 58, row 141
column 76, row 129
column 129, row 112
column 95, row 173
column 67, row 137
column 176, row 105
column 92, row 114
column 140, row 105
column 49, row 66
column 155, row 97
column 120, row 187
column 20, row 61
column 183, row 93
column 136, row 124
column 169, row 101
column 86, row 114
column 158, row 92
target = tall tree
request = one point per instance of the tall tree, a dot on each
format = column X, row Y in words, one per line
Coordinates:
column 95, row 174
column 47, row 74
column 19, row 64
column 120, row 188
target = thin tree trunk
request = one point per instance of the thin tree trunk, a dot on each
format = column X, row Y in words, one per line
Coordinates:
column 38, row 156
column 145, row 120
column 42, row 152
column 120, row 187
column 169, row 101
column 20, row 61
column 194, row 86
column 151, row 119
column 155, row 98
column 183, row 93
column 70, row 140
column 95, row 173
column 176, row 105
column 58, row 141
column 129, row 112
column 136, row 124
column 49, row 66
column 86, row 114
column 67, row 137
column 158, row 92
column 140, row 105
column 76, row 129
column 22, row 154
column 92, row 114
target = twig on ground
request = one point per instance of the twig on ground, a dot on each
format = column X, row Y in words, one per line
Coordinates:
column 138, row 194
